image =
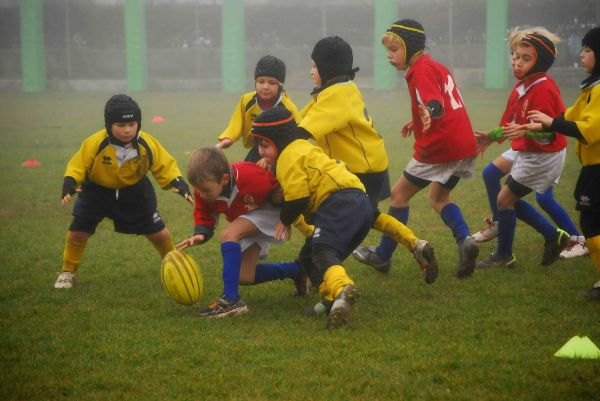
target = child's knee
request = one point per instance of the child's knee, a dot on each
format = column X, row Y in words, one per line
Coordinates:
column 228, row 235
column 79, row 236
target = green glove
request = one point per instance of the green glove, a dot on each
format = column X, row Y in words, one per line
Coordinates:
column 496, row 134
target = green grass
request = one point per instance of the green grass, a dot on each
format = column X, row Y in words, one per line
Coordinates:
column 118, row 336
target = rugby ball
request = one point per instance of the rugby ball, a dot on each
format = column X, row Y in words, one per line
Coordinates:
column 181, row 277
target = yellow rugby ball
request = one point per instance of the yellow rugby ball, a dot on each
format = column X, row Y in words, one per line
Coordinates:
column 181, row 278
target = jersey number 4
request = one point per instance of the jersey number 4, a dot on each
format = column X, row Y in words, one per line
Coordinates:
column 455, row 98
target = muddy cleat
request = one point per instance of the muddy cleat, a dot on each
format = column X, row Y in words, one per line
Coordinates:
column 593, row 293
column 487, row 233
column 553, row 247
column 303, row 284
column 66, row 280
column 425, row 257
column 467, row 257
column 341, row 307
column 223, row 307
column 575, row 248
column 368, row 256
column 494, row 261
column 321, row 308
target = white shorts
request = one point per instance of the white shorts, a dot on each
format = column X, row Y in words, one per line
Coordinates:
column 510, row 155
column 441, row 172
column 538, row 170
column 265, row 218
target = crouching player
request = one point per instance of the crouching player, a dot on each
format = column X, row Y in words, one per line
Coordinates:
column 329, row 197
column 244, row 193
column 110, row 174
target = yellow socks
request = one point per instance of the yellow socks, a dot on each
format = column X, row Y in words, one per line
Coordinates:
column 72, row 254
column 593, row 245
column 305, row 228
column 334, row 281
column 164, row 247
column 391, row 227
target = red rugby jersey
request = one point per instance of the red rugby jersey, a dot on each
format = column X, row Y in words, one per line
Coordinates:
column 251, row 187
column 538, row 92
column 450, row 138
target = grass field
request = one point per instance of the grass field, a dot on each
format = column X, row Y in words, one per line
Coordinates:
column 118, row 336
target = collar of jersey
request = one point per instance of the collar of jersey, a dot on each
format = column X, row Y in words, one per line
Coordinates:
column 336, row 80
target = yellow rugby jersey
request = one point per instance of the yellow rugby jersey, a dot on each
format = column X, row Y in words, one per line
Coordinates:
column 96, row 161
column 338, row 120
column 244, row 114
column 304, row 170
column 585, row 112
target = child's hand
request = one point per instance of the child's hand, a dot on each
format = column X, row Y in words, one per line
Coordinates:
column 539, row 117
column 408, row 129
column 483, row 141
column 514, row 131
column 181, row 187
column 224, row 143
column 195, row 240
column 282, row 232
column 425, row 117
column 69, row 188
column 67, row 198
column 262, row 163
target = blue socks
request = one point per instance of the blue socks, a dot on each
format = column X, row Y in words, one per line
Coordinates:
column 491, row 177
column 276, row 271
column 387, row 245
column 529, row 215
column 452, row 216
column 507, row 222
column 232, row 262
column 556, row 211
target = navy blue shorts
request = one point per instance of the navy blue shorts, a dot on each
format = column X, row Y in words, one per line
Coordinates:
column 343, row 220
column 132, row 209
column 377, row 186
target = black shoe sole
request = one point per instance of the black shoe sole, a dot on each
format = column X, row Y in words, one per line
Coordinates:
column 469, row 262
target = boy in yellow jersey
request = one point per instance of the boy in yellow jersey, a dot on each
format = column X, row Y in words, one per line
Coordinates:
column 110, row 174
column 338, row 120
column 582, row 122
column 328, row 196
column 269, row 77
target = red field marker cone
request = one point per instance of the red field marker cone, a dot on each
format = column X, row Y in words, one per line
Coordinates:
column 31, row 163
column 158, row 119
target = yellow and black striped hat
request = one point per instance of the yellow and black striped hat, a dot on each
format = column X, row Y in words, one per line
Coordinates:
column 411, row 34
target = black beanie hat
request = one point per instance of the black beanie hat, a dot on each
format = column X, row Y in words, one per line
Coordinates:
column 333, row 57
column 276, row 125
column 592, row 40
column 412, row 35
column 270, row 66
column 544, row 49
column 121, row 108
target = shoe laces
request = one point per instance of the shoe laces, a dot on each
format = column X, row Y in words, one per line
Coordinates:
column 215, row 304
column 489, row 222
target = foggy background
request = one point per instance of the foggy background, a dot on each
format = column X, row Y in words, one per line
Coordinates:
column 85, row 46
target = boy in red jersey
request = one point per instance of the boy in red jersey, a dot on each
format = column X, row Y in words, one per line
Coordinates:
column 499, row 167
column 244, row 193
column 539, row 161
column 445, row 147
column 582, row 122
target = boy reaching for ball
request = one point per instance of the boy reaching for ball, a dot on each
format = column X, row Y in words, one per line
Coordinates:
column 247, row 195
column 109, row 172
